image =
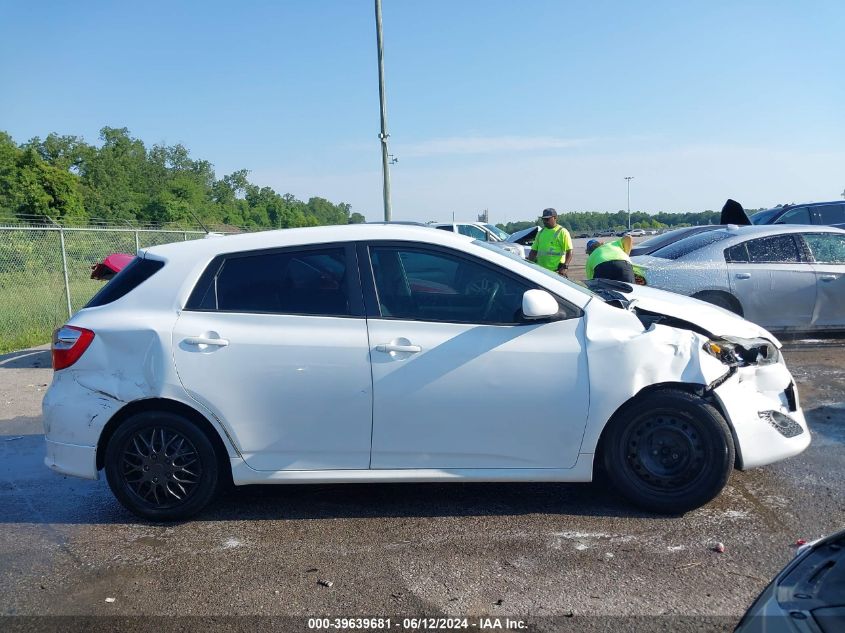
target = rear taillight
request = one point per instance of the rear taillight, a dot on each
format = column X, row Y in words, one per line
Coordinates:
column 69, row 343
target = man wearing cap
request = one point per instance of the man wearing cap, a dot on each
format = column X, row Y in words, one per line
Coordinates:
column 552, row 248
column 610, row 261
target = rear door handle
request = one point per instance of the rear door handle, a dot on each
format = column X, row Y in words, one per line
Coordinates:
column 743, row 275
column 389, row 347
column 828, row 277
column 202, row 340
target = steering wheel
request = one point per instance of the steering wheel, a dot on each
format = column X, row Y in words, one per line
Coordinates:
column 485, row 286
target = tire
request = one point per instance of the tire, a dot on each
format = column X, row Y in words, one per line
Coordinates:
column 720, row 299
column 668, row 452
column 161, row 467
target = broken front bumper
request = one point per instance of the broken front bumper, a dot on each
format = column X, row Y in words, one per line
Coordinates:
column 763, row 409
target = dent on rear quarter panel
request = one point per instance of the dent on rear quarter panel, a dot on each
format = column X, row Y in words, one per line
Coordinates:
column 127, row 365
column 623, row 359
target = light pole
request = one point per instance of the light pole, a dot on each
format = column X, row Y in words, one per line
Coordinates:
column 629, row 179
column 383, row 135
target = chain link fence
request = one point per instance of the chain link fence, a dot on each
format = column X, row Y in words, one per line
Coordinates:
column 45, row 274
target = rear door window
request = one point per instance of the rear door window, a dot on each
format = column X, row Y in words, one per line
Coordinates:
column 307, row 282
column 826, row 248
column 779, row 249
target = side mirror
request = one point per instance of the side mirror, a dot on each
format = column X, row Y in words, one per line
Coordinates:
column 539, row 304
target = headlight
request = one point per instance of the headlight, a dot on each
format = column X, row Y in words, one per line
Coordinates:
column 743, row 351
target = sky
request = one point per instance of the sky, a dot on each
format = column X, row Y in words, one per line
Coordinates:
column 505, row 105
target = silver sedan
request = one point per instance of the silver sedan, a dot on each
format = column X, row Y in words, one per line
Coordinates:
column 783, row 277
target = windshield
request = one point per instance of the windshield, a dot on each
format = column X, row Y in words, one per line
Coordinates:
column 690, row 244
column 497, row 231
column 764, row 217
column 499, row 251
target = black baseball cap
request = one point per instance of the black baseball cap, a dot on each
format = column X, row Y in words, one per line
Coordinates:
column 549, row 213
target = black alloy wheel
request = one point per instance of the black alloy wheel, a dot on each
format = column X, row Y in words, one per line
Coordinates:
column 161, row 467
column 669, row 451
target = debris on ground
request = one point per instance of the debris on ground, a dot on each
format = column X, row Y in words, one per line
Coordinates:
column 325, row 583
column 801, row 542
column 311, row 570
column 109, row 600
column 688, row 565
column 499, row 602
column 719, row 547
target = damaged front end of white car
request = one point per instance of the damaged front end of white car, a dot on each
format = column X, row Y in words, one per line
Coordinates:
column 690, row 391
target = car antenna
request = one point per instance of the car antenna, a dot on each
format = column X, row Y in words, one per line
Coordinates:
column 193, row 215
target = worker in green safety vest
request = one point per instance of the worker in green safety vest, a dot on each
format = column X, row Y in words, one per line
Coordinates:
column 552, row 248
column 610, row 261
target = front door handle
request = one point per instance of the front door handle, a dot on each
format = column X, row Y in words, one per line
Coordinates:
column 828, row 277
column 202, row 340
column 743, row 275
column 390, row 347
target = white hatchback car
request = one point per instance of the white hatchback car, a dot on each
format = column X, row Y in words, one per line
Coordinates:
column 386, row 353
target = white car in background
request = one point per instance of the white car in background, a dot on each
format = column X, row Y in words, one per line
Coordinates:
column 390, row 353
column 481, row 231
column 783, row 277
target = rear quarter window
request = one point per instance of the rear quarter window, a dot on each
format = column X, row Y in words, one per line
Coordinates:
column 135, row 273
column 831, row 214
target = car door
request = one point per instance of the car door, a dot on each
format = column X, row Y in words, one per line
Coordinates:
column 774, row 283
column 274, row 344
column 460, row 379
column 828, row 253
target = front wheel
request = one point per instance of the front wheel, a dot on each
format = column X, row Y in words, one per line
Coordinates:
column 161, row 466
column 669, row 452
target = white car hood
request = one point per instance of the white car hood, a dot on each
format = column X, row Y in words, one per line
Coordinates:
column 711, row 318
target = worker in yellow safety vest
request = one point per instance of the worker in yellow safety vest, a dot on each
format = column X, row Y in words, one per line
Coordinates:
column 552, row 248
column 610, row 260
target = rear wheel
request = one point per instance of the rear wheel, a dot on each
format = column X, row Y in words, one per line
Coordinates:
column 161, row 467
column 669, row 452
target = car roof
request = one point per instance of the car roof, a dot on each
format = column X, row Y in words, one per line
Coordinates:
column 212, row 246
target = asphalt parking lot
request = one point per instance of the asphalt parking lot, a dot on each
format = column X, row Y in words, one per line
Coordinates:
column 571, row 551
